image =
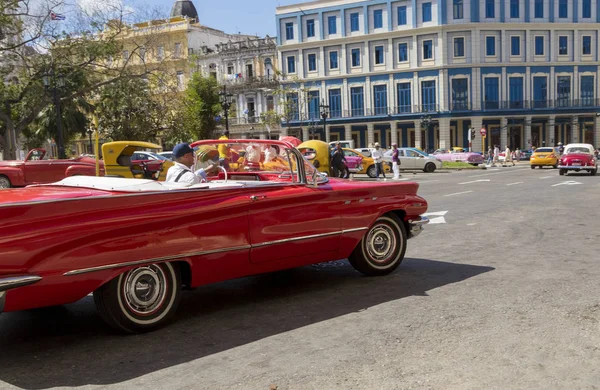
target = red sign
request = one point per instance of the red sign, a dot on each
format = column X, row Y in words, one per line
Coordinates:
column 483, row 131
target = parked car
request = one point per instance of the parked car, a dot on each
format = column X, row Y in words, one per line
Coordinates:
column 123, row 159
column 578, row 157
column 414, row 159
column 168, row 155
column 354, row 161
column 135, row 244
column 459, row 155
column 545, row 157
column 368, row 165
column 364, row 151
column 318, row 154
column 345, row 144
column 36, row 170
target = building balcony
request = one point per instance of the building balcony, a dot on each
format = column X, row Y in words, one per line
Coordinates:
column 241, row 82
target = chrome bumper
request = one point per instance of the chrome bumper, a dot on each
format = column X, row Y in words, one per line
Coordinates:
column 416, row 226
column 585, row 167
column 11, row 282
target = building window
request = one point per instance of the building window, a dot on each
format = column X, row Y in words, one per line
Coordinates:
column 354, row 26
column 402, row 52
column 428, row 95
column 460, row 94
column 312, row 62
column 289, row 31
column 402, row 16
column 563, row 46
column 426, row 12
column 291, row 64
column 540, row 92
column 355, row 58
column 563, row 8
column 428, row 50
column 313, row 105
column 332, row 22
column 490, row 46
column 160, row 53
column 514, row 9
column 335, row 103
column 270, row 103
column 230, row 68
column 587, row 91
column 379, row 55
column 333, row 60
column 180, row 81
column 310, row 28
column 563, row 91
column 516, row 92
column 378, row 18
column 380, row 99
column 292, row 110
column 538, row 9
column 177, row 50
column 515, row 46
column 357, row 101
column 586, row 9
column 457, row 9
column 586, row 45
column 490, row 9
column 459, row 47
column 539, row 46
column 404, row 98
column 491, row 93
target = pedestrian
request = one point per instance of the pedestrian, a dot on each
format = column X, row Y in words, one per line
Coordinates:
column 518, row 154
column 496, row 155
column 377, row 155
column 338, row 163
column 508, row 157
column 396, row 161
column 490, row 156
column 561, row 148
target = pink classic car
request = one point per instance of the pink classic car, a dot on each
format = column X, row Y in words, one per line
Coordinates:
column 459, row 155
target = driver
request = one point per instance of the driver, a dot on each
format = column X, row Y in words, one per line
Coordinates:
column 181, row 171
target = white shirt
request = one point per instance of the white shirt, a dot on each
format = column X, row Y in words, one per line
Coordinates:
column 377, row 155
column 189, row 177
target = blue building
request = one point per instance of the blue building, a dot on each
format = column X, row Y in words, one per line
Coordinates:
column 423, row 72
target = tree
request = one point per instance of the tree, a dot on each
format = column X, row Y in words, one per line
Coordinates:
column 201, row 107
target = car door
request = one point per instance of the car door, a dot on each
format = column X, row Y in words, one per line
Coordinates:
column 294, row 223
column 406, row 162
column 417, row 161
column 352, row 159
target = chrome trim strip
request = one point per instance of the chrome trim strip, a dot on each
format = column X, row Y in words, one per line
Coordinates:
column 416, row 226
column 295, row 239
column 11, row 282
column 2, row 301
column 354, row 230
column 155, row 260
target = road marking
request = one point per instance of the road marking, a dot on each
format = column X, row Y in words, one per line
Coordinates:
column 514, row 184
column 546, row 177
column 439, row 217
column 471, row 224
column 475, row 181
column 499, row 173
column 427, row 181
column 459, row 193
column 567, row 183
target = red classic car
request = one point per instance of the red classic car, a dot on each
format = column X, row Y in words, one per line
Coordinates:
column 36, row 170
column 136, row 243
column 578, row 157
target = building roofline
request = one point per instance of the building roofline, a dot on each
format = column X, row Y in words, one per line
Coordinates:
column 312, row 5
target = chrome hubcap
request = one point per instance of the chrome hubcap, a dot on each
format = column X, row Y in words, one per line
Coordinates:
column 145, row 290
column 381, row 243
column 4, row 183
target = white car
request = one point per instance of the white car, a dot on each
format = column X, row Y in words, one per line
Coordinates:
column 364, row 151
column 414, row 159
column 167, row 155
column 146, row 156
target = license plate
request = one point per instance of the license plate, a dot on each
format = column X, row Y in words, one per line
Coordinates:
column 576, row 164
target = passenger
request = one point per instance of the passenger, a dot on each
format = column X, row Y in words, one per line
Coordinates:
column 181, row 172
column 224, row 151
column 396, row 161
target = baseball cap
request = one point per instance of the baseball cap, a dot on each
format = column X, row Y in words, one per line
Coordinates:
column 376, row 144
column 182, row 149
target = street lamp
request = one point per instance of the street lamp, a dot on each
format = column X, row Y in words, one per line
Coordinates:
column 324, row 115
column 425, row 123
column 89, row 132
column 225, row 104
column 53, row 82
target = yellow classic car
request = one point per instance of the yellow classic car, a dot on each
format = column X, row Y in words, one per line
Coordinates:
column 368, row 163
column 545, row 157
column 118, row 161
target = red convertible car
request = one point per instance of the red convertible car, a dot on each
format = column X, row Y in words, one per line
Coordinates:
column 136, row 243
column 36, row 170
column 578, row 157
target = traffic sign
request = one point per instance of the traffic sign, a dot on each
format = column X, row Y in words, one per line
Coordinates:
column 483, row 131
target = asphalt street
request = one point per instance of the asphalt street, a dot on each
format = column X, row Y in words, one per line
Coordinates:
column 501, row 291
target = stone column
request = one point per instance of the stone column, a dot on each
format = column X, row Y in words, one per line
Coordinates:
column 348, row 133
column 527, row 145
column 328, row 134
column 394, row 130
column 305, row 134
column 550, row 131
column 370, row 134
column 445, row 140
column 477, row 124
column 597, row 132
column 574, row 130
column 418, row 142
column 503, row 133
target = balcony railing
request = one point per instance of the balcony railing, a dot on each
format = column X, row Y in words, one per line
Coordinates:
column 242, row 82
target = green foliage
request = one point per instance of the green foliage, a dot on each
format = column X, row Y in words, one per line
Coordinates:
column 271, row 118
column 201, row 107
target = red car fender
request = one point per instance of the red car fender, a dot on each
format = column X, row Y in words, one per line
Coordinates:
column 76, row 170
column 15, row 175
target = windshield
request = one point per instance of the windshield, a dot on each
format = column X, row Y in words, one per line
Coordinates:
column 578, row 149
column 544, row 150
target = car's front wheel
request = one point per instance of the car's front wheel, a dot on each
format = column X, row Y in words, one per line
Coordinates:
column 372, row 172
column 142, row 299
column 429, row 168
column 593, row 172
column 533, row 167
column 382, row 248
column 4, row 182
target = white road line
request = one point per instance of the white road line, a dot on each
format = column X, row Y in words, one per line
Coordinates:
column 427, row 181
column 547, row 177
column 476, row 181
column 514, row 184
column 459, row 193
column 499, row 173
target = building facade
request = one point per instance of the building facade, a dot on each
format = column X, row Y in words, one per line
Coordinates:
column 423, row 72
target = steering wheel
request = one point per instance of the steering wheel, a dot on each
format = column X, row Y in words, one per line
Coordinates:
column 224, row 172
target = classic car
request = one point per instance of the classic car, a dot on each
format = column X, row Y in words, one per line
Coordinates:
column 36, row 170
column 354, row 161
column 414, row 159
column 544, row 157
column 459, row 155
column 578, row 157
column 136, row 243
column 168, row 155
column 367, row 164
column 122, row 159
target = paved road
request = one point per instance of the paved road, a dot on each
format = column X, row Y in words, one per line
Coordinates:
column 501, row 292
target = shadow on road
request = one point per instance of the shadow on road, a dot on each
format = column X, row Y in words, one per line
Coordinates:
column 71, row 346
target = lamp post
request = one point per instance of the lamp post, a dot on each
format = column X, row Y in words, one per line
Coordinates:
column 324, row 114
column 53, row 82
column 425, row 123
column 225, row 104
column 90, row 132
column 312, row 129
